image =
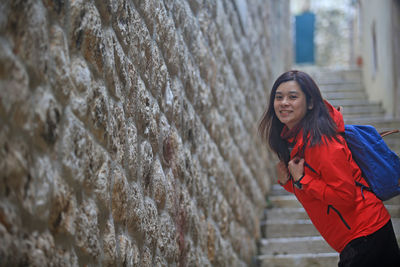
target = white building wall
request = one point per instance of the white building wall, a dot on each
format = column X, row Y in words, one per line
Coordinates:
column 377, row 55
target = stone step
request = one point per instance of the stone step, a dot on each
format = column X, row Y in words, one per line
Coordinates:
column 396, row 227
column 277, row 228
column 322, row 76
column 300, row 214
column 300, row 260
column 340, row 87
column 284, row 201
column 277, row 190
column 393, row 201
column 350, row 102
column 280, row 198
column 394, row 210
column 294, row 245
column 360, row 94
column 379, row 123
column 287, row 213
column 298, row 233
column 360, row 107
column 363, row 110
column 348, row 118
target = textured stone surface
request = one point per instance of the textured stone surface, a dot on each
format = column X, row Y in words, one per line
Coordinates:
column 128, row 130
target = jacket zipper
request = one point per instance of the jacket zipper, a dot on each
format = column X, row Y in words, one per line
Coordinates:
column 340, row 215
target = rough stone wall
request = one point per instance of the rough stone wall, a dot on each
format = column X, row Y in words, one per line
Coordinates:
column 128, row 130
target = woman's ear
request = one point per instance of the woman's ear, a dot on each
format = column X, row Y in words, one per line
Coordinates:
column 310, row 105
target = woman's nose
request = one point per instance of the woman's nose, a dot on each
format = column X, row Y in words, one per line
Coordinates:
column 284, row 101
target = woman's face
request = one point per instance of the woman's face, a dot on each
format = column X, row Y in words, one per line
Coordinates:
column 290, row 103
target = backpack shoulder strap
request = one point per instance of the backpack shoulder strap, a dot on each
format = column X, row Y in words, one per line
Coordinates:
column 308, row 166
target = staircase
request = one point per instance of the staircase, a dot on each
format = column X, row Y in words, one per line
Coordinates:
column 345, row 88
column 289, row 238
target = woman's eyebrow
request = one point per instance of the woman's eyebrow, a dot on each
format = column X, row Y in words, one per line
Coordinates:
column 290, row 92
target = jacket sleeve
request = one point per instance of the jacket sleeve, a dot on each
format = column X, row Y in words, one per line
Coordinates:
column 334, row 184
column 288, row 186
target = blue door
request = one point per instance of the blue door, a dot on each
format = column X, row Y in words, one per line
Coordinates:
column 305, row 27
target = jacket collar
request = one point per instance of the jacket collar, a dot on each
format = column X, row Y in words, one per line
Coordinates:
column 293, row 136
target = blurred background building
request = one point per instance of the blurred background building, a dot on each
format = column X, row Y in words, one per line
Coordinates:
column 353, row 34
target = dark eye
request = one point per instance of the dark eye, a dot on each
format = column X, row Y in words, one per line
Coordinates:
column 293, row 96
column 278, row 97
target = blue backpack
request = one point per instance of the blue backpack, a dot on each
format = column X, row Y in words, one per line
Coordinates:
column 380, row 165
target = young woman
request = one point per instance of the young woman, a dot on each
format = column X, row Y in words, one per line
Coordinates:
column 316, row 165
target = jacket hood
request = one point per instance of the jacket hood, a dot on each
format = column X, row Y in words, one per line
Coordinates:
column 336, row 116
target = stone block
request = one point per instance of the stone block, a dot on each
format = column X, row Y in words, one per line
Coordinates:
column 38, row 188
column 60, row 64
column 87, row 232
column 146, row 159
column 205, row 100
column 17, row 159
column 63, row 209
column 211, row 239
column 10, row 223
column 128, row 251
column 172, row 153
column 166, row 242
column 202, row 191
column 222, row 215
column 123, row 70
column 106, row 10
column 120, row 196
column 174, row 103
column 146, row 259
column 111, row 77
column 28, row 30
column 131, row 159
column 65, row 258
column 81, row 74
column 167, row 39
column 100, row 183
column 47, row 113
column 98, row 113
column 148, row 115
column 150, row 223
column 14, row 83
column 87, row 34
column 109, row 244
column 37, row 249
column 81, row 157
column 159, row 75
column 136, row 210
column 128, row 27
column 116, row 130
column 56, row 7
column 157, row 184
column 199, row 230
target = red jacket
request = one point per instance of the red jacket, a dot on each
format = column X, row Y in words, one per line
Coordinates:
column 333, row 202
